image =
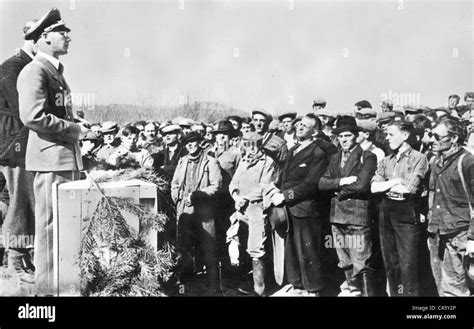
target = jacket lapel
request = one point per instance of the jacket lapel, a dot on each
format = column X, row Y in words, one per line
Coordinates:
column 202, row 165
column 52, row 70
column 301, row 156
column 336, row 164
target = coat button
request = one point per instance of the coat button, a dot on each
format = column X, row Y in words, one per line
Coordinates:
column 438, row 206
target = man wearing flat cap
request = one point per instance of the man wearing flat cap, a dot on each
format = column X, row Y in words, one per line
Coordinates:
column 412, row 112
column 19, row 221
column 366, row 137
column 53, row 152
column 256, row 171
column 109, row 130
column 288, row 132
column 272, row 145
column 167, row 159
column 327, row 119
column 195, row 183
column 348, row 176
column 366, row 114
column 319, row 104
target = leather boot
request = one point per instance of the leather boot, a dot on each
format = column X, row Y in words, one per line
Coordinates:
column 350, row 287
column 212, row 274
column 245, row 283
column 258, row 266
column 368, row 284
column 2, row 253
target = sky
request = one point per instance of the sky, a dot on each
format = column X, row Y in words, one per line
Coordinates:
column 276, row 55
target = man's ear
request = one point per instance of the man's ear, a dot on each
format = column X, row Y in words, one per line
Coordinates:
column 455, row 138
column 406, row 136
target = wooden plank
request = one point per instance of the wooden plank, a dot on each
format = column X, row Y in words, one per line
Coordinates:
column 77, row 200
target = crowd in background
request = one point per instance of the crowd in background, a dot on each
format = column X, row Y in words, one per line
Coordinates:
column 371, row 203
column 395, row 226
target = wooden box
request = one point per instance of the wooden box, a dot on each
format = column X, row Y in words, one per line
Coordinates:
column 74, row 201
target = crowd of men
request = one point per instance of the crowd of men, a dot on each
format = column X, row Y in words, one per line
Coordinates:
column 376, row 202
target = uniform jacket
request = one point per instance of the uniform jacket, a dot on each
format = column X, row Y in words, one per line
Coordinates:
column 45, row 109
column 300, row 178
column 209, row 177
column 351, row 205
column 13, row 134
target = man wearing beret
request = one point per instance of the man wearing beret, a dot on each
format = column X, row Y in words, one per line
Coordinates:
column 303, row 168
column 348, row 176
column 288, row 132
column 20, row 221
column 53, row 152
column 195, row 183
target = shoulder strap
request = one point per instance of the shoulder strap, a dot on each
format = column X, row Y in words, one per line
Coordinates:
column 463, row 181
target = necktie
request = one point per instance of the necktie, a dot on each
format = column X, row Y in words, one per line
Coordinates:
column 296, row 147
column 61, row 68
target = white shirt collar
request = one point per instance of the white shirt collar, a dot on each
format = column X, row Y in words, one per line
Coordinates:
column 50, row 58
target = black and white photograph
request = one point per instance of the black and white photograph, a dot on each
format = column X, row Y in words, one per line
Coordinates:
column 237, row 148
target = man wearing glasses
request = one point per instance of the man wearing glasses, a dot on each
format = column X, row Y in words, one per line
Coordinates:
column 451, row 226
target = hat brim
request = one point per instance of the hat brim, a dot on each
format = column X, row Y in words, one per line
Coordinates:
column 61, row 28
column 291, row 116
column 192, row 139
column 109, row 131
column 350, row 128
column 267, row 116
column 278, row 218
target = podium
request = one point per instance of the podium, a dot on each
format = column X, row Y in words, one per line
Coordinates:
column 75, row 201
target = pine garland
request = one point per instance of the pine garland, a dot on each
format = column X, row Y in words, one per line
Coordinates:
column 115, row 259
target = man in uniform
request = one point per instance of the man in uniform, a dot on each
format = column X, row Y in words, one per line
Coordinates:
column 53, row 151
